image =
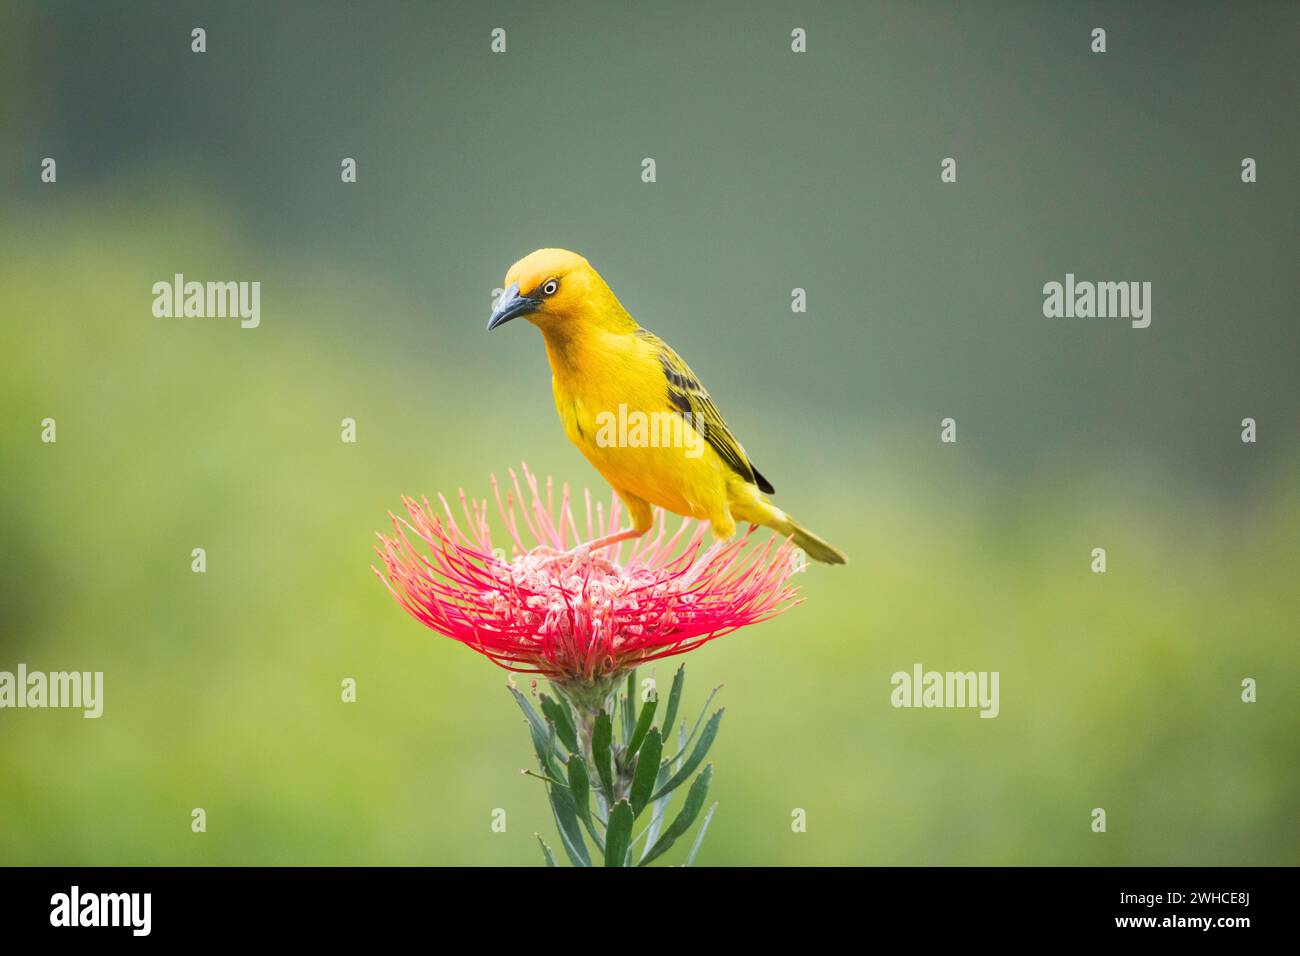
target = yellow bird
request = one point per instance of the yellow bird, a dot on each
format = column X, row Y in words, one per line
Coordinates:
column 607, row 372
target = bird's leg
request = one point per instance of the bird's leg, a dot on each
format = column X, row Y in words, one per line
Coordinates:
column 592, row 546
column 642, row 521
column 597, row 543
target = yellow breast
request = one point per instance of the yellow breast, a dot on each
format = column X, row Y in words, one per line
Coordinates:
column 612, row 397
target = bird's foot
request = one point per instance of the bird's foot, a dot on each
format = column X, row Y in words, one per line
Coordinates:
column 585, row 551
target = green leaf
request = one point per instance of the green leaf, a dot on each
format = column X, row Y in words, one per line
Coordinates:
column 628, row 702
column 580, row 792
column 642, row 725
column 541, row 732
column 647, row 769
column 695, row 798
column 698, row 720
column 657, row 810
column 546, row 850
column 540, row 749
column 619, row 835
column 674, row 700
column 580, row 786
column 659, row 806
column 699, row 837
column 534, row 718
column 551, row 747
column 701, row 749
column 543, row 777
column 566, row 820
column 602, row 736
column 562, row 718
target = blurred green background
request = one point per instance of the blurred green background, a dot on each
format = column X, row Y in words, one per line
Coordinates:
column 775, row 170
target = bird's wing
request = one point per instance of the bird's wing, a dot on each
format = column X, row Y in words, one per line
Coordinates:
column 688, row 396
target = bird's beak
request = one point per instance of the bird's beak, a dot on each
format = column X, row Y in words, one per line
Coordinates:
column 511, row 305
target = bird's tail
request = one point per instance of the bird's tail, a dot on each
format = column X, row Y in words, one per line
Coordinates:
column 773, row 517
column 813, row 546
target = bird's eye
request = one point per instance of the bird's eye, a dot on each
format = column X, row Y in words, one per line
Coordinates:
column 550, row 286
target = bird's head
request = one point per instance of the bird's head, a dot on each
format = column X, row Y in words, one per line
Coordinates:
column 560, row 293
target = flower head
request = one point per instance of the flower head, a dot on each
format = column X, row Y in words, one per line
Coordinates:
column 571, row 615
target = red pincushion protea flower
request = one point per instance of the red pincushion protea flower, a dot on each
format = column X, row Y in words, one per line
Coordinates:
column 573, row 616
